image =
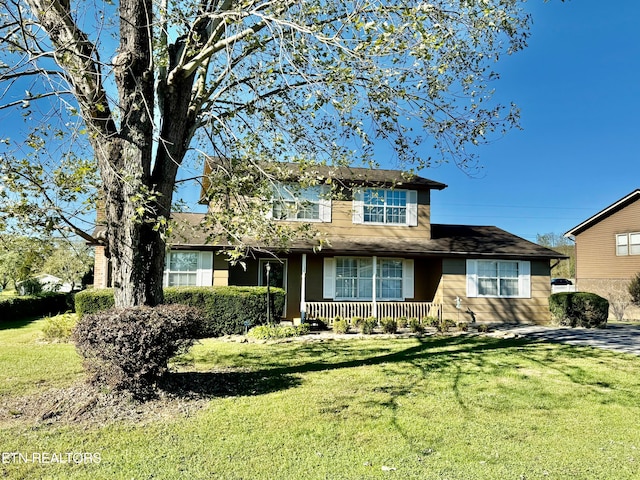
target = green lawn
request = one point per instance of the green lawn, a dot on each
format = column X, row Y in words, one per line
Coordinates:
column 431, row 408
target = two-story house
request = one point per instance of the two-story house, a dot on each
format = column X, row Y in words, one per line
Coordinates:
column 383, row 256
column 608, row 248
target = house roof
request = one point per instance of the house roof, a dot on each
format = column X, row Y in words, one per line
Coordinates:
column 606, row 212
column 347, row 175
column 447, row 240
column 369, row 176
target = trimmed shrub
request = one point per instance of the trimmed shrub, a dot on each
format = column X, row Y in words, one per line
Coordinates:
column 430, row 321
column 60, row 327
column 403, row 322
column 341, row 325
column 444, row 325
column 415, row 326
column 225, row 309
column 129, row 348
column 272, row 332
column 483, row 328
column 17, row 308
column 368, row 325
column 579, row 309
column 93, row 301
column 389, row 325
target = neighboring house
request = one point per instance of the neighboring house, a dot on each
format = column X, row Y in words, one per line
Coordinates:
column 51, row 283
column 608, row 249
column 384, row 257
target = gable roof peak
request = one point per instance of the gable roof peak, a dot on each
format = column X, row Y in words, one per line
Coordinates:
column 605, row 212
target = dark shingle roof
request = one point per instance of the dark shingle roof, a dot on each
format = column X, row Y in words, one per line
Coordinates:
column 369, row 176
column 446, row 241
column 348, row 176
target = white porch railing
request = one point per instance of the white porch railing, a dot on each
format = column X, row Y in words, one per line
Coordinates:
column 330, row 310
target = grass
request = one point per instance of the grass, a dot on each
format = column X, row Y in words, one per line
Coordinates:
column 432, row 408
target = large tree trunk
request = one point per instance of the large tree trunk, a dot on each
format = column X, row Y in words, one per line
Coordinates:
column 137, row 189
column 136, row 249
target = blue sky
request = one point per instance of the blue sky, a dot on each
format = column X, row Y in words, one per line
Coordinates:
column 578, row 88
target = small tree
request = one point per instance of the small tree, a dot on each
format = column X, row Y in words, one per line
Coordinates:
column 21, row 258
column 70, row 261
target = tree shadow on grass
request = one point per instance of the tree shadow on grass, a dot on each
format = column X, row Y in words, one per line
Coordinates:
column 281, row 372
column 7, row 325
column 225, row 384
column 281, row 375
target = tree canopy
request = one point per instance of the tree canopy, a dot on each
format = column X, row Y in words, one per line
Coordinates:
column 136, row 89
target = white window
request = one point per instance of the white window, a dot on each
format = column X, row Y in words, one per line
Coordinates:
column 188, row 269
column 628, row 244
column 634, row 243
column 291, row 202
column 622, row 244
column 351, row 278
column 498, row 278
column 385, row 207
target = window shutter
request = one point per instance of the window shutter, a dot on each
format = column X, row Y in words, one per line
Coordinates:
column 412, row 208
column 472, row 278
column 325, row 205
column 524, row 279
column 165, row 274
column 407, row 279
column 329, row 278
column 205, row 270
column 358, row 207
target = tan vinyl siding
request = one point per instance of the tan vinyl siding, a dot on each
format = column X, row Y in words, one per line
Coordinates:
column 220, row 270
column 596, row 247
column 508, row 310
column 342, row 225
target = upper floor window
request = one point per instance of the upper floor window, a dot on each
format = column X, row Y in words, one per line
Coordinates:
column 628, row 244
column 292, row 202
column 379, row 206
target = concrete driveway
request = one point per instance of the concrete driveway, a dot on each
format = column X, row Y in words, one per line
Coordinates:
column 617, row 337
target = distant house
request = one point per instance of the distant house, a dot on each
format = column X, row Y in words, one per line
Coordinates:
column 50, row 283
column 384, row 256
column 608, row 248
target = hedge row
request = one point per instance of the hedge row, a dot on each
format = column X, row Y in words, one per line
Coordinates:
column 226, row 310
column 579, row 309
column 17, row 308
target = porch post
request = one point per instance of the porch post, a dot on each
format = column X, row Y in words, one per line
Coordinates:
column 303, row 288
column 374, row 306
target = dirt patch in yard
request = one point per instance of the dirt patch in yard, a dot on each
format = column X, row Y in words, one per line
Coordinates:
column 181, row 395
column 87, row 406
